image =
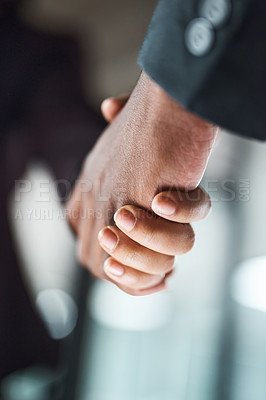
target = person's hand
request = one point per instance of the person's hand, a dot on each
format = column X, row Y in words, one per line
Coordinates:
column 137, row 231
column 142, row 245
column 151, row 145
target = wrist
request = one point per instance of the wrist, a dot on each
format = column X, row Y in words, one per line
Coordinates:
column 182, row 136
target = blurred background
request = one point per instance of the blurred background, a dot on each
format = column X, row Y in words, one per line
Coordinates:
column 62, row 334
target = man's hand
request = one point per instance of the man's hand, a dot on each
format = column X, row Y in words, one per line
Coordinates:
column 152, row 145
column 143, row 245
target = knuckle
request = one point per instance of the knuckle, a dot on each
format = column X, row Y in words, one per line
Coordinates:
column 167, row 265
column 190, row 238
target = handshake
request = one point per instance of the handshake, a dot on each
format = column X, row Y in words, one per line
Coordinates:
column 138, row 190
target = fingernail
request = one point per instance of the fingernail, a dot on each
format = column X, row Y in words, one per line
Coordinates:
column 113, row 268
column 108, row 238
column 125, row 219
column 106, row 103
column 163, row 205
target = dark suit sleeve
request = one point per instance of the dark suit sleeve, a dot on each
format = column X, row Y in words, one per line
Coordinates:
column 226, row 84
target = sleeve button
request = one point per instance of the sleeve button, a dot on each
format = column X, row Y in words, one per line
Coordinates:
column 199, row 37
column 216, row 11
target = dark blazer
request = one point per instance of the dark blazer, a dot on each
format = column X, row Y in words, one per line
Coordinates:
column 210, row 56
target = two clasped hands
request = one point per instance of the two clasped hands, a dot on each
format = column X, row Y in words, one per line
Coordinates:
column 146, row 166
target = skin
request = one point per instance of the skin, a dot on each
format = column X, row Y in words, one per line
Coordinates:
column 156, row 234
column 152, row 145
